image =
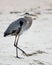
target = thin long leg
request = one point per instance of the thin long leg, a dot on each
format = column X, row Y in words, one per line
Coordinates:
column 15, row 40
column 21, row 50
column 15, row 44
column 16, row 47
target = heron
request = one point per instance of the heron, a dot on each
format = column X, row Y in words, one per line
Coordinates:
column 16, row 28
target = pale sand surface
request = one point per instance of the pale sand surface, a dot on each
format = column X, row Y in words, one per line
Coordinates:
column 15, row 5
column 37, row 39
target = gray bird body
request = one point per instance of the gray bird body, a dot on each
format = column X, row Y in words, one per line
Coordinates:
column 16, row 26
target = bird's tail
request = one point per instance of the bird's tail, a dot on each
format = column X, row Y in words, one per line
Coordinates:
column 6, row 34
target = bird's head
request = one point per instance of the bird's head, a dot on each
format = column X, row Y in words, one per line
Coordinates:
column 33, row 16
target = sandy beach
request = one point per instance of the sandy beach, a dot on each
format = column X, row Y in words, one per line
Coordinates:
column 37, row 39
column 21, row 5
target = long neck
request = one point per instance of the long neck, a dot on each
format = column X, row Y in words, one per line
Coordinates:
column 29, row 21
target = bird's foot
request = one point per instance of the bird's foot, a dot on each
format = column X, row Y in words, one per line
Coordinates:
column 19, row 57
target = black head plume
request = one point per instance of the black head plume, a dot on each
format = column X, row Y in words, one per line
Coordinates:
column 27, row 13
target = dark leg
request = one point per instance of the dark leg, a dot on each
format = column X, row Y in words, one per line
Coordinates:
column 21, row 49
column 15, row 40
column 17, row 48
column 15, row 44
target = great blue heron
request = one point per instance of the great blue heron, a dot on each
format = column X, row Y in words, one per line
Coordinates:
column 17, row 27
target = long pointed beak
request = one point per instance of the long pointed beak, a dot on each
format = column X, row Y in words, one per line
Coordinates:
column 32, row 14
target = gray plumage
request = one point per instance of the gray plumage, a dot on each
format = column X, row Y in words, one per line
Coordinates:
column 17, row 27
